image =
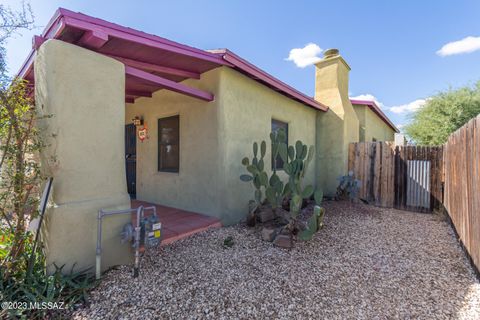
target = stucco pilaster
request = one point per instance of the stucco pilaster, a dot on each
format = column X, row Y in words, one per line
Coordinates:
column 83, row 92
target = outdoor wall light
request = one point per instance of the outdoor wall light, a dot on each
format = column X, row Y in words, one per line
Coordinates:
column 137, row 121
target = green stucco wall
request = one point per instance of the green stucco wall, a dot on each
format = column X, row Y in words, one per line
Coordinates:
column 247, row 108
column 83, row 93
column 360, row 112
column 371, row 126
column 196, row 186
column 214, row 137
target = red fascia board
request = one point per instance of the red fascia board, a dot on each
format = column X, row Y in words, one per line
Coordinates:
column 64, row 17
column 85, row 22
column 376, row 109
column 54, row 27
column 258, row 74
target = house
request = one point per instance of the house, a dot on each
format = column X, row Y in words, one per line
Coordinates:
column 374, row 125
column 178, row 118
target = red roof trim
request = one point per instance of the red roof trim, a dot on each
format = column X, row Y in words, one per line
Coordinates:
column 64, row 17
column 376, row 109
column 262, row 76
column 53, row 29
column 81, row 19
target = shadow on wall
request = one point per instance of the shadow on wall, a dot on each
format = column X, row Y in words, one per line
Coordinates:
column 331, row 152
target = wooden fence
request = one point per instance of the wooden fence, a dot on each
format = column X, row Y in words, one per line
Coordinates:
column 419, row 178
column 373, row 164
column 462, row 185
column 404, row 177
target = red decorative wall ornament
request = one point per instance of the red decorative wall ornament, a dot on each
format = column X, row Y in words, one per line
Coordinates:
column 143, row 133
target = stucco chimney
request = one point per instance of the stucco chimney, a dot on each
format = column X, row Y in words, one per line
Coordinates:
column 337, row 127
column 331, row 81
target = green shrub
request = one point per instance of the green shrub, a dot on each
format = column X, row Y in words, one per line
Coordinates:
column 63, row 289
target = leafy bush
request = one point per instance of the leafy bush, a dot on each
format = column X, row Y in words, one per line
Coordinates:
column 65, row 289
column 443, row 114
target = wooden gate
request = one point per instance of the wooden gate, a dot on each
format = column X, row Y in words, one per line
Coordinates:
column 403, row 177
column 418, row 178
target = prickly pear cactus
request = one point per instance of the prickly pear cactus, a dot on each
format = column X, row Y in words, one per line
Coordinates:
column 320, row 216
column 276, row 189
column 296, row 160
column 314, row 223
column 318, row 196
column 256, row 169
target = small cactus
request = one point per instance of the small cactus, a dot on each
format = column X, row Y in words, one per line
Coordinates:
column 314, row 223
column 256, row 171
column 348, row 187
column 228, row 242
column 318, row 197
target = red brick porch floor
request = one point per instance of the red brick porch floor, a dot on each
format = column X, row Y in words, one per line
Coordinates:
column 176, row 223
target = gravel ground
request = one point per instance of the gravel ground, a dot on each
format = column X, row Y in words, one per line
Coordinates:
column 367, row 263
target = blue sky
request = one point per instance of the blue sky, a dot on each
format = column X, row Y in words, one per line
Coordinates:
column 393, row 47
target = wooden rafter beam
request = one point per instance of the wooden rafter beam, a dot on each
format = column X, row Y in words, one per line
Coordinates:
column 157, row 68
column 137, row 93
column 93, row 39
column 169, row 84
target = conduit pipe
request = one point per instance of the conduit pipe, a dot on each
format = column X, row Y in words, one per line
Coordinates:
column 139, row 215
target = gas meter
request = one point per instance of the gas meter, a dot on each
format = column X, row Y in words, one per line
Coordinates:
column 151, row 231
column 147, row 232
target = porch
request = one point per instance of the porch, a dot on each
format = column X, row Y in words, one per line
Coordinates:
column 176, row 223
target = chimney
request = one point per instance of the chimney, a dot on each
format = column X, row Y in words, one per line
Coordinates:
column 331, row 82
column 337, row 127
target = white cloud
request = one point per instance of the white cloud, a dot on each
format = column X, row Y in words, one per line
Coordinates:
column 399, row 126
column 409, row 107
column 466, row 45
column 368, row 97
column 303, row 57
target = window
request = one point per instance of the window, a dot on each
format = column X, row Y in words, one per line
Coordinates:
column 276, row 125
column 169, row 144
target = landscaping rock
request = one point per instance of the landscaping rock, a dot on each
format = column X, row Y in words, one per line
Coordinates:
column 282, row 215
column 265, row 215
column 367, row 263
column 283, row 241
column 268, row 234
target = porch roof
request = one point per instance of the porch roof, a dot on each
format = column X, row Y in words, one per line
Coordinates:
column 152, row 62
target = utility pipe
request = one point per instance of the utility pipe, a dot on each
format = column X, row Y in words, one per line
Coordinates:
column 103, row 213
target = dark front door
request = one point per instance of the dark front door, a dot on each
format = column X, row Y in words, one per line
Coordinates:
column 131, row 158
